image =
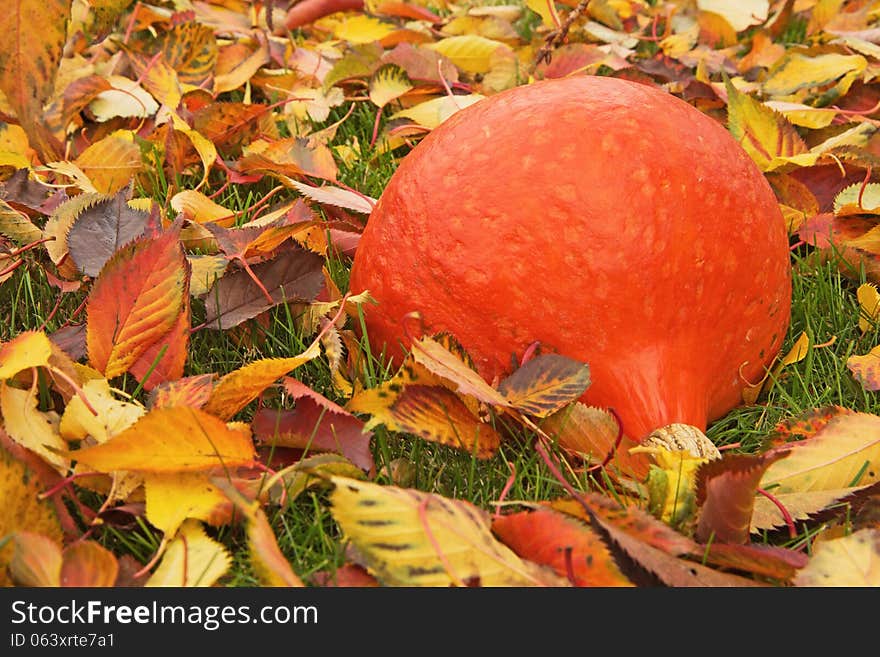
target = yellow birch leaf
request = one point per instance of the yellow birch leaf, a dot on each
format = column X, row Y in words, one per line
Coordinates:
column 239, row 388
column 434, row 413
column 22, row 508
column 191, row 559
column 411, row 538
column 869, row 306
column 852, row 561
column 174, row 497
column 27, row 350
column 764, row 133
column 469, row 52
column 842, row 454
column 433, row 112
column 31, row 428
column 197, row 207
column 171, row 439
column 269, row 564
column 127, row 98
column 112, row 162
column 797, row 70
column 805, row 116
column 114, row 415
column 387, row 84
column 362, row 29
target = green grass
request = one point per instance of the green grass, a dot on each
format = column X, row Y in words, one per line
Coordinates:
column 824, row 305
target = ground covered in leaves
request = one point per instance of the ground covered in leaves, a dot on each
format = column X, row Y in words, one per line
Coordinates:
column 186, row 397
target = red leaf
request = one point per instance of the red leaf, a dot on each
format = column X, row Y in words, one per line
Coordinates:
column 562, row 542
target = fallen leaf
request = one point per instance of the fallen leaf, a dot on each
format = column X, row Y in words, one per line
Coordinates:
column 31, row 428
column 88, row 564
column 24, row 351
column 36, row 560
column 545, row 384
column 191, row 559
column 852, row 561
column 411, row 538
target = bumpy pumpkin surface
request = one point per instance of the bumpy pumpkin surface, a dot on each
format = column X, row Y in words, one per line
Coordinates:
column 609, row 221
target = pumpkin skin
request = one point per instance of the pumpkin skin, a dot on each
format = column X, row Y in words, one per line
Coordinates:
column 609, row 221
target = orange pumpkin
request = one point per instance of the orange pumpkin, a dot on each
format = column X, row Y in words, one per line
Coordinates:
column 607, row 220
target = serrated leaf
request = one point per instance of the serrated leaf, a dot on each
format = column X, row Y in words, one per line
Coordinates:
column 434, row 413
column 858, row 198
column 766, row 135
column 843, row 453
column 332, row 195
column 102, row 229
column 113, row 414
column 411, row 538
column 191, row 559
column 59, row 223
column 852, row 561
column 388, row 83
column 545, row 384
column 171, row 440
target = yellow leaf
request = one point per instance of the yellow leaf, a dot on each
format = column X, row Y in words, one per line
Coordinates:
column 239, row 388
column 204, row 146
column 59, row 223
column 191, row 559
column 869, row 305
column 15, row 225
column 163, row 84
column 174, row 497
column 171, row 439
column 411, row 538
column 858, row 198
column 197, row 207
column 837, row 456
column 546, row 9
column 234, row 70
column 800, row 506
column 797, row 70
column 112, row 162
column 114, row 415
column 469, row 52
column 27, row 350
column 22, row 508
column 852, row 561
column 672, row 485
column 804, row 115
column 434, row 413
column 31, row 428
column 362, row 29
column 741, row 14
column 763, row 133
column 388, row 83
column 545, row 384
column 433, row 112
column 206, row 270
column 126, row 99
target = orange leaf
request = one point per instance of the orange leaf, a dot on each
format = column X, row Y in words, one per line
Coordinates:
column 165, row 359
column 564, row 543
column 37, row 560
column 111, row 162
column 175, row 439
column 86, row 563
column 136, row 300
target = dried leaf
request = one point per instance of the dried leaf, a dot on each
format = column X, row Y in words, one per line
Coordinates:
column 31, row 428
column 865, row 368
column 545, row 384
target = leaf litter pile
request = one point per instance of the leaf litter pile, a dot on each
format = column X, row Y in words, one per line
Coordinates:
column 132, row 130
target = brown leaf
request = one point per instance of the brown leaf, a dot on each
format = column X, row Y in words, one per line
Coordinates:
column 545, row 384
column 293, row 275
column 726, row 490
column 102, row 229
column 770, row 561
